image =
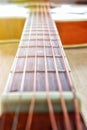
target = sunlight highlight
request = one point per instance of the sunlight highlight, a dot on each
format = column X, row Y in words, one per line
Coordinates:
column 13, row 11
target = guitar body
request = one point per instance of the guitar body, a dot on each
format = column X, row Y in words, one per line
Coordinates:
column 39, row 93
column 41, row 121
column 71, row 22
column 75, row 36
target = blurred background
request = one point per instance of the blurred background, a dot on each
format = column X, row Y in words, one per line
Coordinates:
column 59, row 1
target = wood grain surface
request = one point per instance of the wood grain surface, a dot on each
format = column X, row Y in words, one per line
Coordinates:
column 77, row 58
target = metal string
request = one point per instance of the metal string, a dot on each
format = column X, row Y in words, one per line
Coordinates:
column 15, row 120
column 32, row 105
column 66, row 116
column 51, row 112
column 78, row 119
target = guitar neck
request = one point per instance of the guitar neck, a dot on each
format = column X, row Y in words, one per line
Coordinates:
column 40, row 51
column 40, row 78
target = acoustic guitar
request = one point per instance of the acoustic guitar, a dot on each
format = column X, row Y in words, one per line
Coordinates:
column 40, row 94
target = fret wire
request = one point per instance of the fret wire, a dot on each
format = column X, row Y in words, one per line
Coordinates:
column 40, row 34
column 66, row 116
column 51, row 112
column 39, row 71
column 34, row 46
column 49, row 56
column 32, row 105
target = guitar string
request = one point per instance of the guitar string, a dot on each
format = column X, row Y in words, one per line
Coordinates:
column 66, row 116
column 48, row 99
column 78, row 119
column 17, row 112
column 51, row 112
column 32, row 105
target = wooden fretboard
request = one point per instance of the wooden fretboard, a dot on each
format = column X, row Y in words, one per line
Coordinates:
column 40, row 51
column 40, row 69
